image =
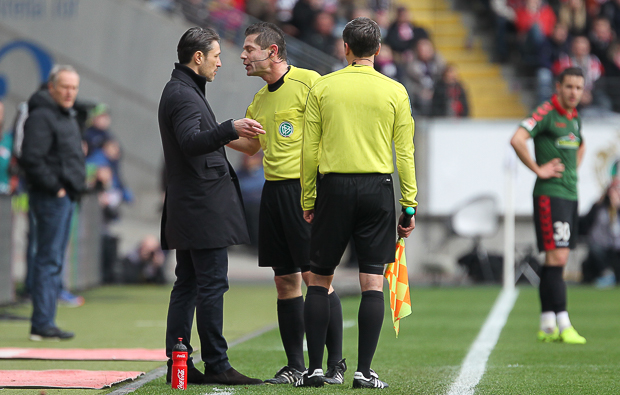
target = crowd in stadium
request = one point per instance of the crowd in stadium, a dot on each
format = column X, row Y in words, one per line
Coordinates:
column 544, row 38
column 407, row 53
column 538, row 38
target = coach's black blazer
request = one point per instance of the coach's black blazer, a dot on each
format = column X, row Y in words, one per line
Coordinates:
column 203, row 206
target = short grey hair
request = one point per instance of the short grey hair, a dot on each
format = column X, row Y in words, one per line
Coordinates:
column 57, row 69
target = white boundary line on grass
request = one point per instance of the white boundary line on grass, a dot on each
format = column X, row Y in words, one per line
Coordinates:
column 158, row 372
column 475, row 362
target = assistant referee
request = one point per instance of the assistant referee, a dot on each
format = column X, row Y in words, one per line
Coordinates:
column 284, row 236
column 352, row 117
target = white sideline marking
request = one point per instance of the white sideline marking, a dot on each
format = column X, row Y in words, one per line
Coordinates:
column 475, row 362
column 218, row 391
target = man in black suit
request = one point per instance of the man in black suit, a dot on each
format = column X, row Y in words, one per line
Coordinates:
column 203, row 211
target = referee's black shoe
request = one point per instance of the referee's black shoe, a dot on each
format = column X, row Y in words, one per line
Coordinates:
column 335, row 373
column 316, row 379
column 194, row 376
column 286, row 375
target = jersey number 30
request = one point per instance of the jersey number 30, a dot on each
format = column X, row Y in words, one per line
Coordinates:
column 562, row 231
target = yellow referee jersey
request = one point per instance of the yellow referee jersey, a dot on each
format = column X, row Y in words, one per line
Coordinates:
column 352, row 117
column 281, row 113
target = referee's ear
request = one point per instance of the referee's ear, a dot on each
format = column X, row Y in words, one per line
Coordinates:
column 347, row 49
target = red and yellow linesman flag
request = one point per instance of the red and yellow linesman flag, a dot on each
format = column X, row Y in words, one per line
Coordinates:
column 398, row 280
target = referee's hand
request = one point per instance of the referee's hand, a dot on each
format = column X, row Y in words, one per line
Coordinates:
column 309, row 215
column 403, row 233
column 248, row 128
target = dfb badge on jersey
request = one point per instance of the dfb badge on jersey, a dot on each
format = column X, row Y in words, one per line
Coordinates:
column 285, row 129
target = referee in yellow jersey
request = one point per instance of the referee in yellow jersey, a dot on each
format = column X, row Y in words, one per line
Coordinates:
column 284, row 236
column 352, row 117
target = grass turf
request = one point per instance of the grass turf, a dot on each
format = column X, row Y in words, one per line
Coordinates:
column 127, row 317
column 425, row 359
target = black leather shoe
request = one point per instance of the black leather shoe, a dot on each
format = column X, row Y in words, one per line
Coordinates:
column 230, row 377
column 194, row 376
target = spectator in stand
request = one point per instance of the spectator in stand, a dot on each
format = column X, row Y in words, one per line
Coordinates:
column 421, row 76
column 594, row 7
column 505, row 17
column 601, row 37
column 450, row 98
column 384, row 63
column 382, row 17
column 265, row 10
column 284, row 12
column 99, row 131
column 103, row 149
column 550, row 52
column 304, row 13
column 613, row 76
column 602, row 227
column 145, row 264
column 340, row 55
column 611, row 11
column 403, row 35
column 534, row 22
column 573, row 13
column 594, row 95
column 110, row 199
column 322, row 36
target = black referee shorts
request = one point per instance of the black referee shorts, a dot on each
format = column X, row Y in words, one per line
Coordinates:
column 358, row 205
column 555, row 220
column 283, row 234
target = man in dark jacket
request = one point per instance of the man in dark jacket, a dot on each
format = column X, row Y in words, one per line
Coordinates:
column 203, row 211
column 53, row 161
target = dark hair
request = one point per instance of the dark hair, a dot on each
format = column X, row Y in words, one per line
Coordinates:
column 268, row 34
column 196, row 39
column 575, row 71
column 363, row 36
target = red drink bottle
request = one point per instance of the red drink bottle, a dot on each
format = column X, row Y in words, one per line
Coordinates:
column 179, row 366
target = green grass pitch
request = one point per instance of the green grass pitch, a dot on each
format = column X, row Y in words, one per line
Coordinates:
column 425, row 359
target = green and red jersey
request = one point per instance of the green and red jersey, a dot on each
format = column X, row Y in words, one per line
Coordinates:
column 556, row 134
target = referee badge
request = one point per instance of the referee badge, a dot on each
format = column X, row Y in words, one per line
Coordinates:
column 285, row 129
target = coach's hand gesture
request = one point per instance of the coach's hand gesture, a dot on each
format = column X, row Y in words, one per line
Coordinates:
column 248, row 128
column 551, row 169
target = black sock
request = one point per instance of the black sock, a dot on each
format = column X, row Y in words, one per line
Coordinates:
column 552, row 289
column 334, row 331
column 316, row 319
column 370, row 319
column 291, row 324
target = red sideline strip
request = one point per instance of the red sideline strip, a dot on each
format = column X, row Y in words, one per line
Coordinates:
column 103, row 354
column 89, row 379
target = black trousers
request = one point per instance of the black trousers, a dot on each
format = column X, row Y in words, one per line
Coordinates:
column 202, row 280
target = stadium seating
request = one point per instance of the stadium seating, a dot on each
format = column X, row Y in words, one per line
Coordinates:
column 488, row 91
